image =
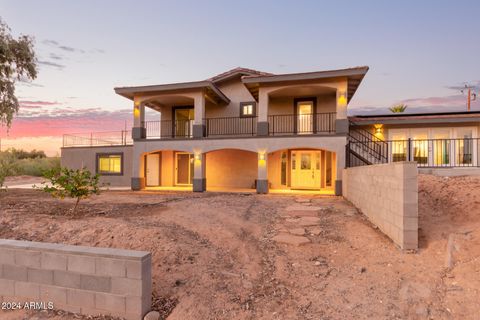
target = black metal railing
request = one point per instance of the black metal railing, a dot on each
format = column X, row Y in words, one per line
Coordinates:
column 459, row 152
column 317, row 123
column 110, row 138
column 231, row 126
column 367, row 146
column 169, row 129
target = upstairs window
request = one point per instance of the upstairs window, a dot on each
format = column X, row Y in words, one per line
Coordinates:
column 247, row 109
column 110, row 163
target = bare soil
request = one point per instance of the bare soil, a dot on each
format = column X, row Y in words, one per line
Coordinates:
column 214, row 256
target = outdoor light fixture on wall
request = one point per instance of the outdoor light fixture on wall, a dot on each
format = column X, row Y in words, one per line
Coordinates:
column 261, row 156
column 197, row 156
column 342, row 98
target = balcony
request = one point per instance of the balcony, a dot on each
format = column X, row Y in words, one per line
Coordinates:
column 279, row 125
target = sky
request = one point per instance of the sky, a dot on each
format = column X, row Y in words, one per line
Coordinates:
column 419, row 53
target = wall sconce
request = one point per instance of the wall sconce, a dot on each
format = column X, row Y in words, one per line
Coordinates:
column 342, row 98
column 261, row 156
column 197, row 156
column 378, row 129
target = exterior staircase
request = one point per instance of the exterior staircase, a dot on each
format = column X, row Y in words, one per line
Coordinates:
column 364, row 148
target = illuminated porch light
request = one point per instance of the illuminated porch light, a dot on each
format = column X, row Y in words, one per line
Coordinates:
column 342, row 98
column 261, row 156
column 197, row 157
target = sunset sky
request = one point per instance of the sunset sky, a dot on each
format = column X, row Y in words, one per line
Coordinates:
column 418, row 52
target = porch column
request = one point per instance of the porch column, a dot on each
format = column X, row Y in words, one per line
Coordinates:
column 199, row 176
column 262, row 122
column 341, row 122
column 138, row 130
column 199, row 110
column 262, row 175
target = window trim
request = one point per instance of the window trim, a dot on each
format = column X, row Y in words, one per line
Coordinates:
column 103, row 154
column 254, row 111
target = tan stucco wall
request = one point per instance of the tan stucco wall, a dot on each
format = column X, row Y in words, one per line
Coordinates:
column 388, row 195
column 231, row 168
column 269, row 144
column 78, row 157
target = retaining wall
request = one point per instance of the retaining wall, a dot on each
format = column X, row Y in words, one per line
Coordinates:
column 78, row 279
column 388, row 195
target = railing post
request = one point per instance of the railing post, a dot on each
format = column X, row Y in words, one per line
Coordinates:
column 409, row 149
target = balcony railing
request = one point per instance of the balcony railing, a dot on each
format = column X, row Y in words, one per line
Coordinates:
column 231, row 126
column 316, row 123
column 89, row 139
column 428, row 153
column 461, row 152
column 169, row 129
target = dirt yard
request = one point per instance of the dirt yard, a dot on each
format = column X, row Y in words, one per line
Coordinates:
column 215, row 256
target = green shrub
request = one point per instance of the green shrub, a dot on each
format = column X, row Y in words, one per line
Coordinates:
column 8, row 167
column 78, row 184
column 37, row 166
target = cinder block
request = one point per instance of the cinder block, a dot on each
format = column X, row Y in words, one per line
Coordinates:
column 410, row 239
column 27, row 258
column 66, row 279
column 410, row 209
column 128, row 287
column 7, row 287
column 110, row 267
column 80, row 298
column 82, row 264
column 7, row 256
column 53, row 261
column 27, row 290
column 57, row 295
column 12, row 272
column 68, row 308
column 110, row 302
column 95, row 283
column 410, row 224
column 40, row 276
column 134, row 269
column 134, row 305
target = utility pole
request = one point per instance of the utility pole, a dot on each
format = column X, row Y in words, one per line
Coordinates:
column 471, row 96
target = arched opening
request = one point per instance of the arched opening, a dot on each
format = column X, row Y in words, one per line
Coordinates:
column 231, row 169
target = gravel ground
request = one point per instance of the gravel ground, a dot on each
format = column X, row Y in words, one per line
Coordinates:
column 223, row 256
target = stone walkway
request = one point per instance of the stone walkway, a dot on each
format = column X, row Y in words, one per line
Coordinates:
column 299, row 220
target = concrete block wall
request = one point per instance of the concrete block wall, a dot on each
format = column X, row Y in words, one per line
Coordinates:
column 388, row 195
column 78, row 279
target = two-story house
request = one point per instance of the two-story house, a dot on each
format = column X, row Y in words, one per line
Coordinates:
column 242, row 129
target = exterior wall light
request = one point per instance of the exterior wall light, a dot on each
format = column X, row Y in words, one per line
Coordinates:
column 342, row 99
column 261, row 156
column 197, row 156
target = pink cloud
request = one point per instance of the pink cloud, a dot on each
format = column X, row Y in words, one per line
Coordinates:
column 58, row 121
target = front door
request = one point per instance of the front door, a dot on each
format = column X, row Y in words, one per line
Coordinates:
column 184, row 168
column 305, row 168
column 152, row 170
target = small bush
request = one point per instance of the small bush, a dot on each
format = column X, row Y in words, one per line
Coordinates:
column 37, row 166
column 78, row 184
column 8, row 167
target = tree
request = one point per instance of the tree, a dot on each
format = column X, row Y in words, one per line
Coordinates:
column 399, row 108
column 17, row 63
column 7, row 166
column 78, row 184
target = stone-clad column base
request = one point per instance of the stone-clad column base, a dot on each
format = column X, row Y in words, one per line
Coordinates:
column 138, row 184
column 338, row 187
column 139, row 133
column 199, row 185
column 198, row 130
column 341, row 126
column 262, row 128
column 262, row 186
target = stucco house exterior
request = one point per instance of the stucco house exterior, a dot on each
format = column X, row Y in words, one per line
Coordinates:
column 247, row 129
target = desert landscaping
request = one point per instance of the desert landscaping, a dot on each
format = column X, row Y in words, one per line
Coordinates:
column 248, row 256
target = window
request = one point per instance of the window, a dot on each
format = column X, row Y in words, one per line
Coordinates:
column 247, row 109
column 110, row 163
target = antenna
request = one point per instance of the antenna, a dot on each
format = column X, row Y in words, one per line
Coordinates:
column 471, row 96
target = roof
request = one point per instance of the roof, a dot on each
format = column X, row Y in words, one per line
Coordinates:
column 355, row 76
column 252, row 80
column 411, row 118
column 237, row 72
column 129, row 92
